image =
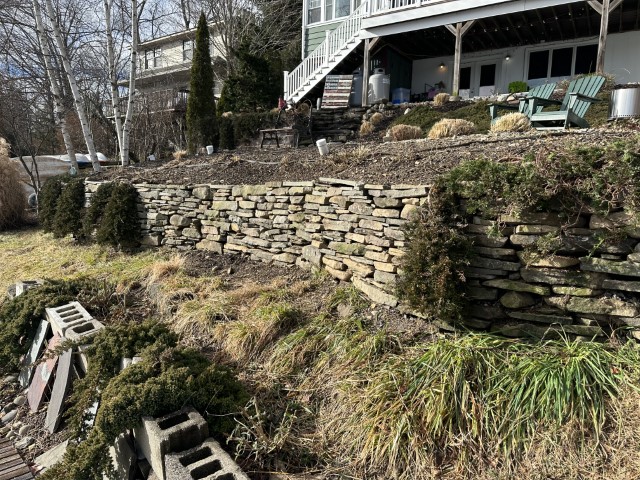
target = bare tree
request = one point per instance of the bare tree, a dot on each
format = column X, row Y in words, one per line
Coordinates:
column 56, row 91
column 77, row 97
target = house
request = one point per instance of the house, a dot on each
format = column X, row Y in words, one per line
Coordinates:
column 474, row 47
column 163, row 71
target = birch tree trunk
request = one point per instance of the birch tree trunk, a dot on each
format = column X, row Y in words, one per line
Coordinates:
column 126, row 128
column 113, row 79
column 56, row 91
column 77, row 98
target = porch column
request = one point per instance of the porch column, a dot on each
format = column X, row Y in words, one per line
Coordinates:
column 458, row 30
column 285, row 90
column 603, row 9
column 365, row 73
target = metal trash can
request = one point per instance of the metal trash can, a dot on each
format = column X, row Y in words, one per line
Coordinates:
column 625, row 101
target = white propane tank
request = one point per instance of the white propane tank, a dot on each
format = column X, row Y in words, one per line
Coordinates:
column 379, row 86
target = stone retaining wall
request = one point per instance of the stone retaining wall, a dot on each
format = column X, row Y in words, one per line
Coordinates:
column 354, row 231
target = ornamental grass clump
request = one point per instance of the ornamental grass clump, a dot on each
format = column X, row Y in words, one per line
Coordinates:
column 511, row 122
column 440, row 99
column 450, row 127
column 460, row 401
column 13, row 200
column 405, row 132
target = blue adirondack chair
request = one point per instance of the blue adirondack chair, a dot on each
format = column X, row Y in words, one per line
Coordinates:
column 541, row 91
column 579, row 97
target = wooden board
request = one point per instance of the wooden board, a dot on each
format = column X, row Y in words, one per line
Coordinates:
column 12, row 467
column 59, row 392
column 337, row 90
column 32, row 354
column 42, row 376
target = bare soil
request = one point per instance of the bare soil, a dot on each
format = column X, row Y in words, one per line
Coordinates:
column 406, row 162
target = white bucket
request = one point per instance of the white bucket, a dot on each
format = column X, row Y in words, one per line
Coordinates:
column 323, row 148
column 209, row 149
column 151, row 158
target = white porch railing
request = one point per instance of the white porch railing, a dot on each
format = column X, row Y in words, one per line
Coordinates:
column 380, row 6
column 326, row 51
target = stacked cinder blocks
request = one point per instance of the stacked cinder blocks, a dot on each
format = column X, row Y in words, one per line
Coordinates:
column 354, row 232
column 176, row 432
column 72, row 321
column 207, row 461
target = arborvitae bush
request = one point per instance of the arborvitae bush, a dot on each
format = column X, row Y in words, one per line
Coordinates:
column 93, row 215
column 69, row 209
column 48, row 201
column 202, row 125
column 120, row 226
column 227, row 135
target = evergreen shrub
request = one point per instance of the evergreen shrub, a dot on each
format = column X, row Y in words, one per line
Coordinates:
column 48, row 197
column 69, row 209
column 93, row 215
column 227, row 134
column 120, row 226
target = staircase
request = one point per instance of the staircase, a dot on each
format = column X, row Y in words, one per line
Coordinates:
column 335, row 48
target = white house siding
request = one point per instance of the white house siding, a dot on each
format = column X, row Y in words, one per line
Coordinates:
column 621, row 60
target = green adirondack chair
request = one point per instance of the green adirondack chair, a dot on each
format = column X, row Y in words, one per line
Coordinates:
column 541, row 91
column 579, row 97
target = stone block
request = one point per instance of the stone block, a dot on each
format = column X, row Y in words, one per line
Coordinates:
column 341, row 275
column 386, row 213
column 202, row 192
column 405, row 193
column 602, row 306
column 492, row 264
column 316, row 199
column 532, row 259
column 371, row 225
column 24, row 285
column 312, row 255
column 66, row 316
column 409, row 212
column 553, row 276
column 347, row 248
column 224, row 205
column 358, row 268
column 540, row 317
column 624, row 285
column 575, row 291
column 517, row 286
column 375, row 294
column 629, row 269
column 175, row 432
column 210, row 245
column 179, row 221
column 517, row 300
column 249, row 190
column 489, row 241
column 206, row 461
column 337, row 225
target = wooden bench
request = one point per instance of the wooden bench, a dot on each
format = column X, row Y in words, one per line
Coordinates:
column 271, row 134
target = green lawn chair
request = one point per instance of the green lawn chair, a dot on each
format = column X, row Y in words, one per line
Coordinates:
column 541, row 91
column 579, row 97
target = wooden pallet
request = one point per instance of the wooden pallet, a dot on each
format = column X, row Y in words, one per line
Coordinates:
column 12, row 466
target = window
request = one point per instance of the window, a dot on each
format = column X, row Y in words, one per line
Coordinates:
column 538, row 64
column 187, row 50
column 488, row 75
column 157, row 53
column 561, row 62
column 314, row 11
column 586, row 56
column 465, row 78
column 147, row 59
column 327, row 10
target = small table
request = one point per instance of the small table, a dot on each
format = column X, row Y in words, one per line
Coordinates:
column 271, row 134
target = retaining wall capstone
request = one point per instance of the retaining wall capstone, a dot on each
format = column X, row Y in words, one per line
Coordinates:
column 354, row 232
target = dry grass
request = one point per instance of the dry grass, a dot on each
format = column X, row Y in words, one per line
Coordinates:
column 179, row 154
column 450, row 127
column 440, row 99
column 405, row 132
column 511, row 122
column 376, row 118
column 366, row 128
column 165, row 268
column 13, row 202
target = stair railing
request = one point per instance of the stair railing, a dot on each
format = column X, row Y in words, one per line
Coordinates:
column 326, row 51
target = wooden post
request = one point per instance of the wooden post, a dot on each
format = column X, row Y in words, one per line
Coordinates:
column 365, row 74
column 459, row 30
column 326, row 45
column 285, row 89
column 602, row 40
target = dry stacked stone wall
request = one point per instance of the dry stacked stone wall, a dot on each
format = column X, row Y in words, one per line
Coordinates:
column 354, row 232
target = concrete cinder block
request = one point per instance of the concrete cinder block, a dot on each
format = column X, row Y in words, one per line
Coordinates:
column 206, row 461
column 176, row 432
column 66, row 316
column 83, row 329
column 123, row 457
